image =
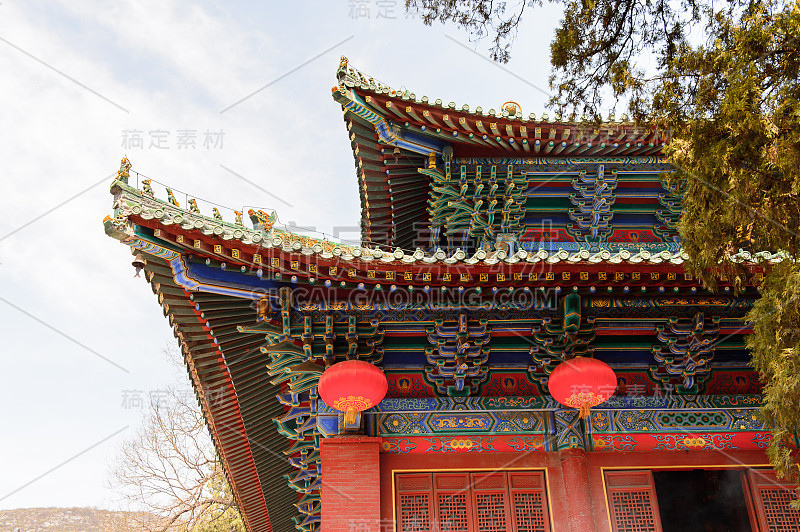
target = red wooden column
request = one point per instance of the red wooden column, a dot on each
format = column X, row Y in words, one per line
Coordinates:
column 576, row 490
column 351, row 490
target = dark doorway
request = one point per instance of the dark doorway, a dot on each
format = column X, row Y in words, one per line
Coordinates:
column 701, row 501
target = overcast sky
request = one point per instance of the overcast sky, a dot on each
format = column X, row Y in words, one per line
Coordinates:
column 167, row 83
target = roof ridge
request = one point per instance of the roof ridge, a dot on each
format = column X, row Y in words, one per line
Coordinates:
column 130, row 200
column 349, row 77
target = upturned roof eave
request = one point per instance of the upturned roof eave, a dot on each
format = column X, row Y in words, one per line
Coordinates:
column 152, row 211
column 493, row 132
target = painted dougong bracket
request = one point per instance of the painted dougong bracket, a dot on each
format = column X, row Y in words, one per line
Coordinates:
column 671, row 202
column 594, row 203
column 474, row 209
column 299, row 348
column 458, row 356
column 690, row 346
column 557, row 340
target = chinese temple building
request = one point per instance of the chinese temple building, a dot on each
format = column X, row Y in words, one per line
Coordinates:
column 495, row 248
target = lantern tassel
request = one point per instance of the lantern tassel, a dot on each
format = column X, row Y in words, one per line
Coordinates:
column 350, row 416
column 584, row 410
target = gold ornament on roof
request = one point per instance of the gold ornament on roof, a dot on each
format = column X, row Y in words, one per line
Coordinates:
column 512, row 108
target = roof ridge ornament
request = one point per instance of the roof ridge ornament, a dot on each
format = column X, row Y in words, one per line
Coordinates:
column 261, row 220
column 124, row 170
column 511, row 109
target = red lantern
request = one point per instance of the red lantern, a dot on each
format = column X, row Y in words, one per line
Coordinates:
column 352, row 386
column 582, row 383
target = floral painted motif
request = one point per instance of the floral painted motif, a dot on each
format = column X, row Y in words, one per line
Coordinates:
column 402, row 445
column 614, row 443
column 527, row 443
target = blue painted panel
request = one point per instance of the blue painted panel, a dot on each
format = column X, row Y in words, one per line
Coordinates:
column 231, row 278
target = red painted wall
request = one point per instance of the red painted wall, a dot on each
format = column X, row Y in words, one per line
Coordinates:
column 350, row 484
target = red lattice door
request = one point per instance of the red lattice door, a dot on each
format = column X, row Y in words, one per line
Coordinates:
column 472, row 502
column 528, row 502
column 772, row 498
column 414, row 504
column 453, row 501
column 632, row 503
column 491, row 502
